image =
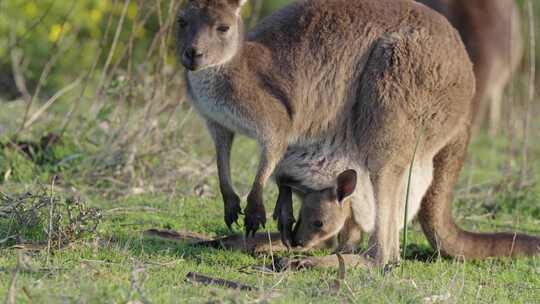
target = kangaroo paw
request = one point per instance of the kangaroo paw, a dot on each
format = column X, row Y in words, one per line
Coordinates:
column 255, row 218
column 285, row 226
column 232, row 211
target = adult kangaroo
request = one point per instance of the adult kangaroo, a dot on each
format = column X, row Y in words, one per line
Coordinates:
column 376, row 74
column 491, row 31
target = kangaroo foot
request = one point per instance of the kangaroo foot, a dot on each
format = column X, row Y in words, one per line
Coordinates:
column 232, row 210
column 255, row 217
column 285, row 222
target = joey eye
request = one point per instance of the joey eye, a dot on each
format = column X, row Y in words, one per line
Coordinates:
column 223, row 28
column 318, row 224
column 182, row 23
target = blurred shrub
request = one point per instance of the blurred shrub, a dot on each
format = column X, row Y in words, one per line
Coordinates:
column 76, row 29
column 524, row 15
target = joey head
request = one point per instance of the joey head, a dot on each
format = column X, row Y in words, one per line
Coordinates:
column 327, row 213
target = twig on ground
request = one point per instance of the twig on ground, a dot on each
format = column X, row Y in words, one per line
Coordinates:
column 132, row 209
column 179, row 236
column 199, row 278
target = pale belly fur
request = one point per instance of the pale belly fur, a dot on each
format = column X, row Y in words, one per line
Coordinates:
column 317, row 168
column 210, row 105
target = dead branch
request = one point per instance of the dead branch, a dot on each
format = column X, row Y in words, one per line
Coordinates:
column 179, row 236
column 199, row 278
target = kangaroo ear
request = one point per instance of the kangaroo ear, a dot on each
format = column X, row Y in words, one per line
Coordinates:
column 346, row 184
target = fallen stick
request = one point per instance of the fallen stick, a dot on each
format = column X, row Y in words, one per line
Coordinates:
column 199, row 278
column 260, row 243
column 186, row 236
column 265, row 243
column 332, row 261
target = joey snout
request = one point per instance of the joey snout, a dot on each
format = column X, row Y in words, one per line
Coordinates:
column 310, row 232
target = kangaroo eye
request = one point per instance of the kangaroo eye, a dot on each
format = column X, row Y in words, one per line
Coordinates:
column 318, row 224
column 223, row 28
column 182, row 23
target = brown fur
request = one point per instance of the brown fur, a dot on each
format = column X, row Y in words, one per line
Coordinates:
column 374, row 74
column 492, row 35
column 438, row 223
column 306, row 57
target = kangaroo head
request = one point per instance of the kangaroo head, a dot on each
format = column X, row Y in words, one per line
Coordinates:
column 323, row 213
column 209, row 32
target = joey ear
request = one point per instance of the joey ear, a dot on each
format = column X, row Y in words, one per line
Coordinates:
column 346, row 184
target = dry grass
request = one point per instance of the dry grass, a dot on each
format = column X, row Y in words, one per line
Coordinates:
column 45, row 219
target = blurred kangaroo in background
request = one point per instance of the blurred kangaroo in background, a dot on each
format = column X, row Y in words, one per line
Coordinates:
column 372, row 74
column 491, row 31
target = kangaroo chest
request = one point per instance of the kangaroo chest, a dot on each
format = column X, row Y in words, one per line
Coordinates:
column 213, row 102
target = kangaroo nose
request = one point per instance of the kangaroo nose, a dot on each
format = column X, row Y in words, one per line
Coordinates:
column 192, row 53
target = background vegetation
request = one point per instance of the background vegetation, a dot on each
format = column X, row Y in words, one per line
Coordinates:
column 93, row 111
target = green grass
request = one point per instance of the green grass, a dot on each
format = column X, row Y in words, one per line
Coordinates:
column 119, row 264
column 148, row 163
column 100, row 270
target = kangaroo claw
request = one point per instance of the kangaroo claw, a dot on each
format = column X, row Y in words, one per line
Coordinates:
column 232, row 211
column 254, row 219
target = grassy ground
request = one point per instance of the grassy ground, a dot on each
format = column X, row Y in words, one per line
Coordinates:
column 120, row 264
column 134, row 150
